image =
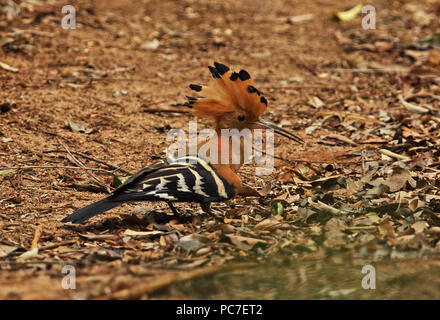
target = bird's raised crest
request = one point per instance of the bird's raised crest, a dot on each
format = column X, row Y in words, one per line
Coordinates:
column 229, row 92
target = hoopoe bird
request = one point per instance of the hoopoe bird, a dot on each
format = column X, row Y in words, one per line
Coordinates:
column 233, row 102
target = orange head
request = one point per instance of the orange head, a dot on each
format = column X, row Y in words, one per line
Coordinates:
column 233, row 101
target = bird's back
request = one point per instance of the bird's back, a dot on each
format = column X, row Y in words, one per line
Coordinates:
column 186, row 179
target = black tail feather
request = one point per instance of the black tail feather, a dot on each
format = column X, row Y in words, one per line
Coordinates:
column 84, row 214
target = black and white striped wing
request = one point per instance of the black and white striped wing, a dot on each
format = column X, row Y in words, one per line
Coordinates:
column 187, row 179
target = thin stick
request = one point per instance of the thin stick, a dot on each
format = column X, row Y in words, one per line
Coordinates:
column 291, row 161
column 316, row 86
column 157, row 110
column 363, row 162
column 7, row 67
column 57, row 167
column 115, row 168
column 98, row 79
column 25, row 263
column 394, row 155
column 325, row 207
column 148, row 287
column 37, row 235
column 319, row 161
column 55, row 245
column 4, row 216
column 372, row 70
column 75, row 160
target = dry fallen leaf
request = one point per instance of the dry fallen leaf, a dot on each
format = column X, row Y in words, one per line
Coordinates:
column 28, row 254
column 339, row 137
column 152, row 45
column 244, row 243
column 412, row 107
column 6, row 172
column 386, row 227
column 92, row 236
column 419, row 226
column 142, row 234
column 5, row 250
column 79, row 127
column 192, row 242
column 396, row 181
column 434, row 57
column 8, row 67
column 316, row 102
column 350, row 14
column 268, row 224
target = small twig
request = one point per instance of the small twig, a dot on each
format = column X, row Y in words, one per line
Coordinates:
column 316, row 86
column 297, row 173
column 432, row 169
column 143, row 288
column 363, row 162
column 57, row 167
column 412, row 107
column 291, row 161
column 24, row 263
column 354, row 228
column 55, row 245
column 8, row 67
column 164, row 111
column 115, row 168
column 34, row 32
column 75, row 160
column 37, row 235
column 4, row 216
column 372, row 70
column 98, row 79
column 393, row 155
column 325, row 207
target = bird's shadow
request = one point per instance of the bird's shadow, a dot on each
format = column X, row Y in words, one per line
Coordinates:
column 130, row 221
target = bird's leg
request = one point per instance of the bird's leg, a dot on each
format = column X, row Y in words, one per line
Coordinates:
column 178, row 216
column 206, row 207
column 173, row 209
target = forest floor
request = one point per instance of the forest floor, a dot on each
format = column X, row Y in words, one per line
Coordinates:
column 365, row 185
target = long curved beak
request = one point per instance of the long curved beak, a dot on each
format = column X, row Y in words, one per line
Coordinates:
column 280, row 131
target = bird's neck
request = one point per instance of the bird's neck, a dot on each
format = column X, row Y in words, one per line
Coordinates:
column 223, row 150
column 227, row 160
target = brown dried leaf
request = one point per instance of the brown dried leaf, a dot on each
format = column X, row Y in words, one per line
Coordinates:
column 340, row 138
column 142, row 234
column 192, row 242
column 5, row 250
column 316, row 102
column 268, row 224
column 396, row 181
column 386, row 227
column 244, row 243
column 79, row 127
column 419, row 226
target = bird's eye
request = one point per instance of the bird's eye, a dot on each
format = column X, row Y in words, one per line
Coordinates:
column 240, row 117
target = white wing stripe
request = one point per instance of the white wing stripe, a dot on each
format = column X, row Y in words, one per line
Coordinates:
column 220, row 186
column 161, row 190
column 181, row 183
column 198, row 185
